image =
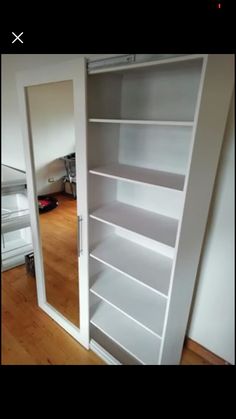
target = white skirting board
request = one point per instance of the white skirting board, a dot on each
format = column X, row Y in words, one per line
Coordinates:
column 102, row 353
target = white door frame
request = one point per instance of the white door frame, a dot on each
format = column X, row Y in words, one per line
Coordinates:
column 76, row 72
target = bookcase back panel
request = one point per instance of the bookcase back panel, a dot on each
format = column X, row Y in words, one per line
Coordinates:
column 117, row 352
column 98, row 232
column 103, row 145
column 164, row 93
column 104, row 95
column 155, row 147
column 167, row 92
column 101, row 191
column 160, row 200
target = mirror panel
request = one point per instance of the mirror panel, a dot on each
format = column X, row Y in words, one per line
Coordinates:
column 51, row 115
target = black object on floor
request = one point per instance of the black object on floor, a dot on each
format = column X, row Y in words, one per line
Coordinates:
column 29, row 263
column 47, row 203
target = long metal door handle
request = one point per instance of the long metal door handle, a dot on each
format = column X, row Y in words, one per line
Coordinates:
column 80, row 230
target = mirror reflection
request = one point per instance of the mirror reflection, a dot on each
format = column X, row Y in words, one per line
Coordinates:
column 52, row 127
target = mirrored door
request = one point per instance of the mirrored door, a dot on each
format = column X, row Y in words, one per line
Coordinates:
column 51, row 112
column 53, row 117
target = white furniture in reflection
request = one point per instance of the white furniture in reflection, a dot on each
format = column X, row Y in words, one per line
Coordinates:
column 16, row 241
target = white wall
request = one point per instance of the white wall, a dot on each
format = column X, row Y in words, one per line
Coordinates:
column 52, row 124
column 212, row 319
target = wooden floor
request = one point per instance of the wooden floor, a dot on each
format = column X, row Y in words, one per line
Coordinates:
column 31, row 337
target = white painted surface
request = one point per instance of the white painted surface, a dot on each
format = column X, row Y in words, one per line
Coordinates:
column 136, row 261
column 80, row 123
column 140, row 343
column 103, row 354
column 155, row 226
column 163, row 148
column 15, row 223
column 156, row 246
column 164, row 93
column 11, row 177
column 141, row 175
column 211, row 114
column 108, row 347
column 212, row 322
column 103, row 144
column 161, row 93
column 14, row 246
column 154, row 63
column 165, row 201
column 52, row 123
column 16, row 239
column 142, row 122
column 147, row 155
column 15, row 211
column 75, row 71
column 139, row 303
column 104, row 96
column 175, row 93
column 14, row 203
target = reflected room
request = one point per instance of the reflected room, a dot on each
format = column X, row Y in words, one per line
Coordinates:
column 51, row 118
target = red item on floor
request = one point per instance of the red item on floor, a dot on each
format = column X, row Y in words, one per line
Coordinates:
column 43, row 202
column 47, row 203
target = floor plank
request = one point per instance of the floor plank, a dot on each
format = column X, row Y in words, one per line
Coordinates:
column 30, row 336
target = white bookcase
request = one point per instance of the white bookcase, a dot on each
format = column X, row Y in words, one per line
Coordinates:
column 153, row 141
column 147, row 137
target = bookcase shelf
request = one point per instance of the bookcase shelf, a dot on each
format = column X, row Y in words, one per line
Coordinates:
column 139, row 263
column 141, row 175
column 142, row 122
column 137, row 341
column 147, row 223
column 132, row 299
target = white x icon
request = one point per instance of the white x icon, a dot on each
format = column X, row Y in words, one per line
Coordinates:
column 17, row 37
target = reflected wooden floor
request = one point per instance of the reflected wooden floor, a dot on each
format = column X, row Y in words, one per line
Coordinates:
column 59, row 241
column 30, row 336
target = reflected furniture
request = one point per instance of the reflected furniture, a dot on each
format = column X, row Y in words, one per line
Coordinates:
column 16, row 241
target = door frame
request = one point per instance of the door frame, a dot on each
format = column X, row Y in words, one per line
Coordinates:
column 75, row 71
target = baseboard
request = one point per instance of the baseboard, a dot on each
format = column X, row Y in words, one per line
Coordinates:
column 189, row 344
column 204, row 353
column 103, row 354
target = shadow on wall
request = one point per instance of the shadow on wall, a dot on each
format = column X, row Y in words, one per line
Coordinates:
column 49, row 177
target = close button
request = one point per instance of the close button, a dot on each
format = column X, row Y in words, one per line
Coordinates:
column 17, row 37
